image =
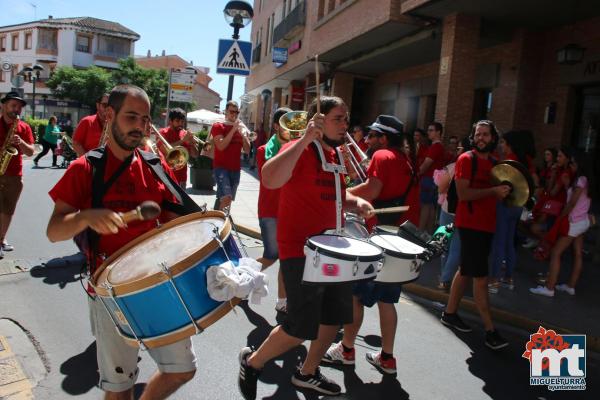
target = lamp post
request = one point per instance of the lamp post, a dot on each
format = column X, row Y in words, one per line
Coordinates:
column 32, row 74
column 238, row 14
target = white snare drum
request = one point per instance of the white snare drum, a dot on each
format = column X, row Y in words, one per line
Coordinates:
column 339, row 259
column 403, row 259
column 355, row 226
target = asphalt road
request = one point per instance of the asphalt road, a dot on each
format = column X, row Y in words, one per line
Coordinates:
column 433, row 361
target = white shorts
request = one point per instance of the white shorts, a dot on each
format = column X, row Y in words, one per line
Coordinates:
column 117, row 361
column 578, row 228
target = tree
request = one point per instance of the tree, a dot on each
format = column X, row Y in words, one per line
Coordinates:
column 83, row 85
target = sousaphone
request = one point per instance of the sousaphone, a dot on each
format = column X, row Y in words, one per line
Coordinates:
column 515, row 175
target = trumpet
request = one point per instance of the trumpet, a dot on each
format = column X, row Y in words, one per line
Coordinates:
column 359, row 165
column 177, row 157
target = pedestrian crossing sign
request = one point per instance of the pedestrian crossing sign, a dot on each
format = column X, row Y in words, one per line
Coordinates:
column 234, row 57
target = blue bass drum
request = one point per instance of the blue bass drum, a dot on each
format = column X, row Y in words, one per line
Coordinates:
column 155, row 288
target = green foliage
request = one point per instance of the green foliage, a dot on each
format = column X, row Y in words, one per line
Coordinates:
column 38, row 127
column 202, row 135
column 83, row 85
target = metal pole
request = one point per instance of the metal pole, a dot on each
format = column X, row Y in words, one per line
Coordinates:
column 33, row 80
column 168, row 97
column 236, row 36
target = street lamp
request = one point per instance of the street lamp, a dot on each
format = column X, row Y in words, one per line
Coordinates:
column 238, row 14
column 32, row 74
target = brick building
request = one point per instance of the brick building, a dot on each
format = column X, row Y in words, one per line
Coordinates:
column 203, row 96
column 452, row 61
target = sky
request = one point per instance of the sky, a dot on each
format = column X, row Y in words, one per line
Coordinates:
column 190, row 29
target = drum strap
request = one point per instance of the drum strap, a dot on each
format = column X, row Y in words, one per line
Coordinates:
column 336, row 169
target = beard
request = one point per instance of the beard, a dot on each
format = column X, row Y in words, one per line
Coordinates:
column 488, row 148
column 332, row 142
column 121, row 138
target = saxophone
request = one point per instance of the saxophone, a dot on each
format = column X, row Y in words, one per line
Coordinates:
column 8, row 151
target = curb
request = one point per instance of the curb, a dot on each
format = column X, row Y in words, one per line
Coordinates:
column 530, row 325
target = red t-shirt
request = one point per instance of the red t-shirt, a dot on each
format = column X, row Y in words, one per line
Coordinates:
column 483, row 215
column 421, row 153
column 229, row 158
column 135, row 185
column 268, row 199
column 15, row 166
column 172, row 136
column 306, row 202
column 88, row 132
column 438, row 154
column 394, row 171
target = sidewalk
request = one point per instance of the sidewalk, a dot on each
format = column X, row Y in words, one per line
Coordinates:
column 568, row 314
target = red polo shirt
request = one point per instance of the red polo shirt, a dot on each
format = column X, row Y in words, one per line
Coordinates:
column 88, row 132
column 229, row 158
column 268, row 199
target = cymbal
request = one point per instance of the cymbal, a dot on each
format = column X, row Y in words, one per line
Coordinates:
column 514, row 174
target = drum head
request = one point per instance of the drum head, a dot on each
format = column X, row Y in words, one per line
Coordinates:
column 397, row 246
column 344, row 246
column 167, row 247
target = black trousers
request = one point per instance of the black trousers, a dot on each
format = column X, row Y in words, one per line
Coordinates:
column 46, row 148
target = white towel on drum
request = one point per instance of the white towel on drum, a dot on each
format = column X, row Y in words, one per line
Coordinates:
column 226, row 281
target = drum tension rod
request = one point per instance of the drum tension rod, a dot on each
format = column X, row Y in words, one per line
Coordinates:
column 167, row 271
column 111, row 292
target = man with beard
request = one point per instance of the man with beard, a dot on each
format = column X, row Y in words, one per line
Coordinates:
column 89, row 131
column 133, row 181
column 476, row 223
column 390, row 178
column 11, row 182
column 307, row 207
column 177, row 136
column 268, row 203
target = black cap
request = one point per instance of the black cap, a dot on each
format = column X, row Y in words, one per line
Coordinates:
column 13, row 96
column 387, row 124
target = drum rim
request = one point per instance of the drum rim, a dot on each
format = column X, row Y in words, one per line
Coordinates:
column 157, row 278
column 343, row 256
column 395, row 253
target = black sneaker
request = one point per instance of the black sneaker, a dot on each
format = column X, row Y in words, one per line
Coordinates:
column 316, row 382
column 248, row 376
column 454, row 321
column 494, row 341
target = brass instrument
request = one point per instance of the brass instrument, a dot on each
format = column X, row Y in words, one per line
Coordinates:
column 8, row 151
column 177, row 157
column 359, row 166
column 104, row 137
column 515, row 175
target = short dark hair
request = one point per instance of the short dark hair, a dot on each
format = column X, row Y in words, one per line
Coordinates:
column 438, row 126
column 120, row 92
column 328, row 103
column 279, row 113
column 232, row 103
column 421, row 131
column 493, row 131
column 103, row 95
column 177, row 113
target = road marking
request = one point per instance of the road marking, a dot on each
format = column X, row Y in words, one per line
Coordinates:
column 14, row 384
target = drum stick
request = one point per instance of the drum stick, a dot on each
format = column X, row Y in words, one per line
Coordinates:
column 317, row 84
column 146, row 211
column 390, row 210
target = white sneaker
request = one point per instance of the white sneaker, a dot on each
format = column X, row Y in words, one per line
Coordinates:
column 542, row 291
column 531, row 244
column 563, row 287
column 7, row 246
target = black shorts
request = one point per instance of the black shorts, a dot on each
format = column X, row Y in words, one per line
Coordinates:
column 475, row 247
column 308, row 306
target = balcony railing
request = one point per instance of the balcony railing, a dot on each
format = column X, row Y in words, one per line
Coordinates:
column 256, row 54
column 291, row 25
column 112, row 54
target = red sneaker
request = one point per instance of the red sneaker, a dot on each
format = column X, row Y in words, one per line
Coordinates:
column 386, row 366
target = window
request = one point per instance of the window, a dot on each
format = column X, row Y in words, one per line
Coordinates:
column 15, row 42
column 268, row 32
column 272, row 28
column 3, row 43
column 28, row 39
column 47, row 39
column 83, row 43
column 321, row 10
column 113, row 47
column 284, row 9
column 331, row 6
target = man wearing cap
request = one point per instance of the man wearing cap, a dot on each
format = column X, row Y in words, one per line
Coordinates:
column 89, row 131
column 390, row 177
column 268, row 203
column 11, row 182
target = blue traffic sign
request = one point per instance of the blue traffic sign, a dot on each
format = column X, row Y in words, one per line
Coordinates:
column 234, row 57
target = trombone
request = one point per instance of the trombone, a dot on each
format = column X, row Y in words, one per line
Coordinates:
column 359, row 165
column 177, row 157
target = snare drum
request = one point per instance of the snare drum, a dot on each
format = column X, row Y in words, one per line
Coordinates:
column 403, row 259
column 155, row 288
column 339, row 259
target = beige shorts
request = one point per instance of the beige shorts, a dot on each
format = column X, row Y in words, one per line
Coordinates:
column 117, row 361
column 10, row 190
